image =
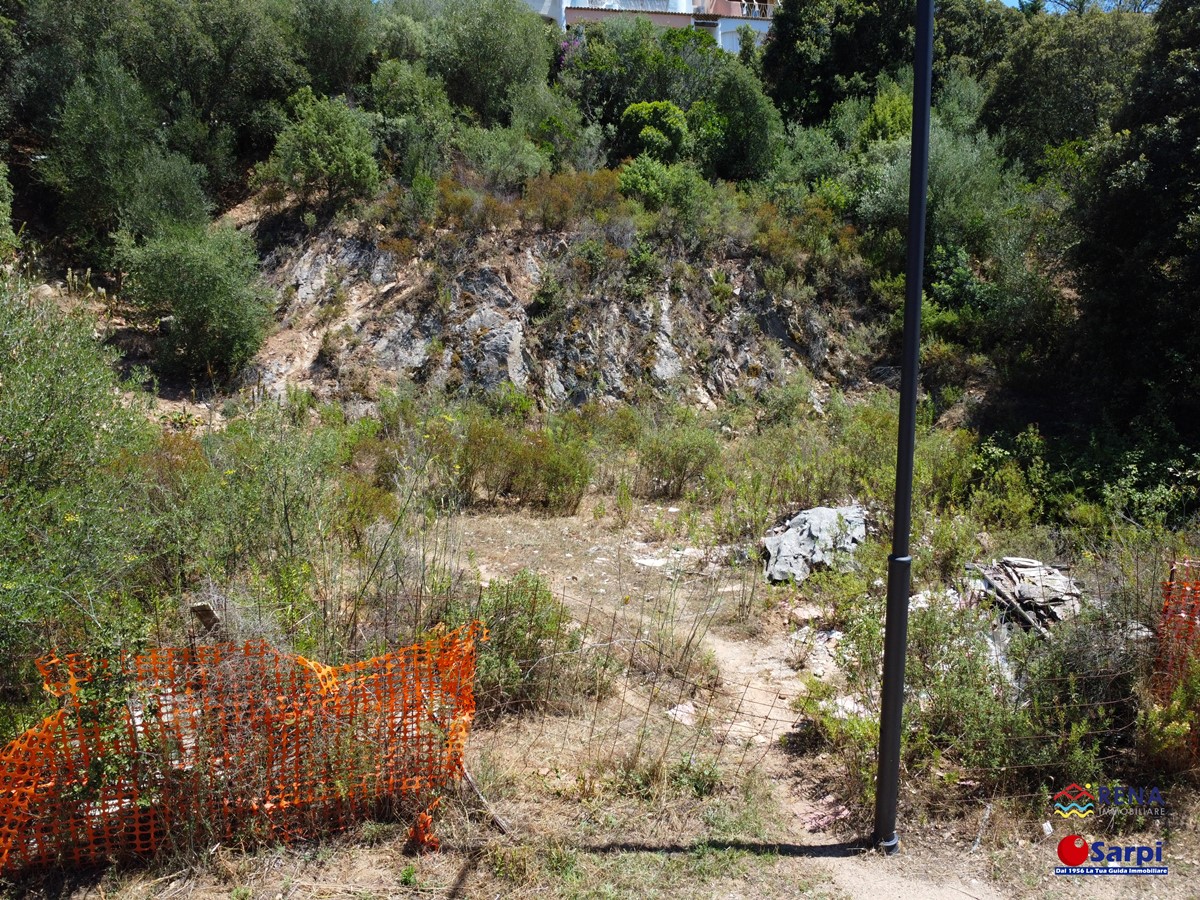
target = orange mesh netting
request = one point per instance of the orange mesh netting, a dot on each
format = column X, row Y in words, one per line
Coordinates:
column 1179, row 637
column 1178, row 631
column 228, row 741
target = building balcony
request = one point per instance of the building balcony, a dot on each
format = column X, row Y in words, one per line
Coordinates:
column 734, row 9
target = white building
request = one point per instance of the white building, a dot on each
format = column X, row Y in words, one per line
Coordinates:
column 721, row 18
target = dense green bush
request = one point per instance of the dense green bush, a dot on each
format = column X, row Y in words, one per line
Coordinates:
column 401, row 88
column 672, row 459
column 532, row 658
column 401, row 36
column 336, row 36
column 1063, row 78
column 206, row 282
column 606, row 66
column 658, row 129
column 504, row 157
column 645, row 179
column 970, row 192
column 167, row 195
column 487, row 49
column 546, row 469
column 552, row 121
column 416, row 118
column 74, row 527
column 326, row 151
column 981, row 722
column 108, row 167
column 749, row 124
column 890, row 117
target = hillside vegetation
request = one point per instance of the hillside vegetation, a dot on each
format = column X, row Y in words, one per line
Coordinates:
column 425, row 258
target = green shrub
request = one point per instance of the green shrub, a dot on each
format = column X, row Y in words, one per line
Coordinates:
column 1167, row 730
column 8, row 240
column 326, row 150
column 645, row 179
column 553, row 473
column 555, row 125
column 74, row 531
column 1043, row 715
column 206, row 281
column 531, row 657
column 890, row 117
column 1002, row 495
column 103, row 129
column 416, row 117
column 504, row 157
column 167, row 195
column 970, row 192
column 672, row 458
column 106, row 163
column 336, row 37
column 548, row 469
column 658, row 128
column 751, row 125
column 402, row 37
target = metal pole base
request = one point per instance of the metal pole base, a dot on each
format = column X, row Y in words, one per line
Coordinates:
column 891, row 846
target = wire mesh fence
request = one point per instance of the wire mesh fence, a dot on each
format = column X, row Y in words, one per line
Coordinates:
column 652, row 681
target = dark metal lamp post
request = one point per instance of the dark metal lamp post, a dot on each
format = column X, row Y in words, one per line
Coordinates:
column 895, row 642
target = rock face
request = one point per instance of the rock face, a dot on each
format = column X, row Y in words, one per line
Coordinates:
column 1030, row 593
column 357, row 315
column 822, row 536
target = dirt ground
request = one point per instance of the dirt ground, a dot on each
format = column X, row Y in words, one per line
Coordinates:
column 774, row 827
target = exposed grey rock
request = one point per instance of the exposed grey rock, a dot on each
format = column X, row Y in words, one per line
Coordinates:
column 500, row 356
column 822, row 536
column 402, row 345
column 602, row 347
column 555, row 392
column 533, row 269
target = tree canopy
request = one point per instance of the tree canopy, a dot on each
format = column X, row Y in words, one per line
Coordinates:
column 1141, row 224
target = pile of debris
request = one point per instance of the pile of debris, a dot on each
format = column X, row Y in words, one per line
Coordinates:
column 1029, row 593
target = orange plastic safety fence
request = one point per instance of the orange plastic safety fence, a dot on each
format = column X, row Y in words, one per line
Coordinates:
column 1178, row 641
column 227, row 741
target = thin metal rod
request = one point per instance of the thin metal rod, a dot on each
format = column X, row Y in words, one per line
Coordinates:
column 895, row 642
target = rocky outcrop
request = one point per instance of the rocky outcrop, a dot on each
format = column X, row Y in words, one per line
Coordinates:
column 355, row 315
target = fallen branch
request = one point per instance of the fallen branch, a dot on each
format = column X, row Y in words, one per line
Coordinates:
column 496, row 819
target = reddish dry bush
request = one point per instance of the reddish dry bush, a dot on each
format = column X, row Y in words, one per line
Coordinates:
column 558, row 202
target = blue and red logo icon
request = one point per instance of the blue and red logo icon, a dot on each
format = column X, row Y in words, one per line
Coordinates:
column 1074, row 801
